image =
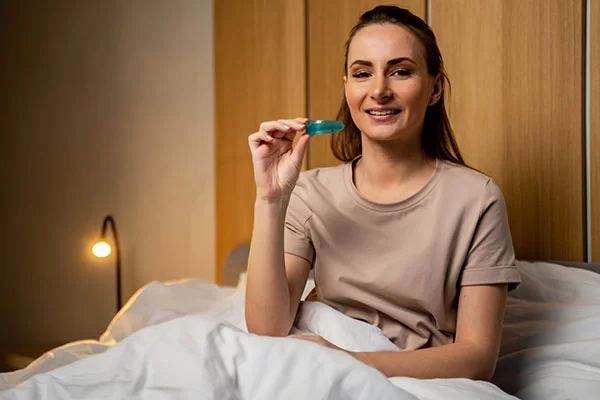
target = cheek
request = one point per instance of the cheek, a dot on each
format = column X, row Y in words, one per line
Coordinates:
column 352, row 97
column 414, row 94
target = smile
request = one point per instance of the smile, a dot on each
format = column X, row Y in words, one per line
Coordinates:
column 383, row 112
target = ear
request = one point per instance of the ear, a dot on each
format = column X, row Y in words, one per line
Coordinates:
column 438, row 90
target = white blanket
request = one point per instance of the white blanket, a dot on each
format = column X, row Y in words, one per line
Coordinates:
column 551, row 338
column 187, row 339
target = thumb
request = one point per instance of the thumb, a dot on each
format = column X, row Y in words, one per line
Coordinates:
column 300, row 148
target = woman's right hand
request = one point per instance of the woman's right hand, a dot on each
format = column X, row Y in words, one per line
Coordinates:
column 277, row 162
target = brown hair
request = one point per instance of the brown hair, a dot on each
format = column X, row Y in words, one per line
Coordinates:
column 437, row 138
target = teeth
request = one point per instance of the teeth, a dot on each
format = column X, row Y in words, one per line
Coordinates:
column 385, row 112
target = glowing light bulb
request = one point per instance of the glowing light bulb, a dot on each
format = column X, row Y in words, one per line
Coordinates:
column 101, row 249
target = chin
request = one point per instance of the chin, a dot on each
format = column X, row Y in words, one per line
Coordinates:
column 384, row 133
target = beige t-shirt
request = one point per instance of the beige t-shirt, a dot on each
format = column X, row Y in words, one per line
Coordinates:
column 400, row 266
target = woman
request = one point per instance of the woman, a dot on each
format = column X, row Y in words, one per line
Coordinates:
column 403, row 235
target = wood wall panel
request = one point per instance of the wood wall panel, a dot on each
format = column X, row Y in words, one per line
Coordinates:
column 330, row 22
column 595, row 125
column 516, row 107
column 260, row 74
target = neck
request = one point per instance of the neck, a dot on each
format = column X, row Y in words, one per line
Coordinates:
column 387, row 164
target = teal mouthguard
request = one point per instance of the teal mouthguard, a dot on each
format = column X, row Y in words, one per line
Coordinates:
column 323, row 127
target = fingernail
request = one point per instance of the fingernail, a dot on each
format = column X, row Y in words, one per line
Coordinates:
column 269, row 137
column 285, row 126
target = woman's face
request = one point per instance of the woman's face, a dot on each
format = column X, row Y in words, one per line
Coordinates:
column 388, row 87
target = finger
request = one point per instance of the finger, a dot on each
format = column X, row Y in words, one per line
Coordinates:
column 301, row 337
column 257, row 138
column 296, row 336
column 289, row 129
column 293, row 123
column 307, row 339
column 301, row 120
column 274, row 126
column 300, row 149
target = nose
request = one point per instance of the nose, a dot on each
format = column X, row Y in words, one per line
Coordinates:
column 381, row 90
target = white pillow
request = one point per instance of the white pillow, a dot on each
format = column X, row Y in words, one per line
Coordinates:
column 158, row 302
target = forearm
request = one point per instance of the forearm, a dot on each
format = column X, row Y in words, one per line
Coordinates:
column 456, row 360
column 267, row 292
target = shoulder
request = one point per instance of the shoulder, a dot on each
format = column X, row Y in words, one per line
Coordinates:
column 320, row 181
column 469, row 184
column 315, row 188
column 464, row 176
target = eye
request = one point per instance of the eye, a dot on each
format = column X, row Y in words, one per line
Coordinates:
column 401, row 72
column 359, row 75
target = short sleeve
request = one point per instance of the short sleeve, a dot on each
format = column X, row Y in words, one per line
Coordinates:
column 491, row 256
column 297, row 239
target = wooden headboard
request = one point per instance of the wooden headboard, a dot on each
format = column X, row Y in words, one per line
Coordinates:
column 235, row 263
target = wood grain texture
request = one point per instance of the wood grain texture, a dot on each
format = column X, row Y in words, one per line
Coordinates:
column 595, row 125
column 260, row 74
column 516, row 106
column 330, row 22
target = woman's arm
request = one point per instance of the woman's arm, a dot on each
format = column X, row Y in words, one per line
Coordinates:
column 475, row 351
column 480, row 308
column 275, row 281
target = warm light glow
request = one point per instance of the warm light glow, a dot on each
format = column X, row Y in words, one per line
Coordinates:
column 101, row 249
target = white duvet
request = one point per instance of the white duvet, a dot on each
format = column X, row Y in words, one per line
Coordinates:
column 187, row 340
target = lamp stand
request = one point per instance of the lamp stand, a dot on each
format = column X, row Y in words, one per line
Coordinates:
column 110, row 220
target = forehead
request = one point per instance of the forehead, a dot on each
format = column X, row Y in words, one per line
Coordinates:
column 384, row 42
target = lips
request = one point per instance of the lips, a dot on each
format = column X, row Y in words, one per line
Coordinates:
column 382, row 112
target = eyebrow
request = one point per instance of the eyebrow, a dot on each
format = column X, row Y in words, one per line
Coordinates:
column 393, row 61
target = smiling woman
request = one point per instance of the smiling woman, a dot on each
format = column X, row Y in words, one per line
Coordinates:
column 403, row 235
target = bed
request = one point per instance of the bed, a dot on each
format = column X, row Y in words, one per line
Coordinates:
column 186, row 339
